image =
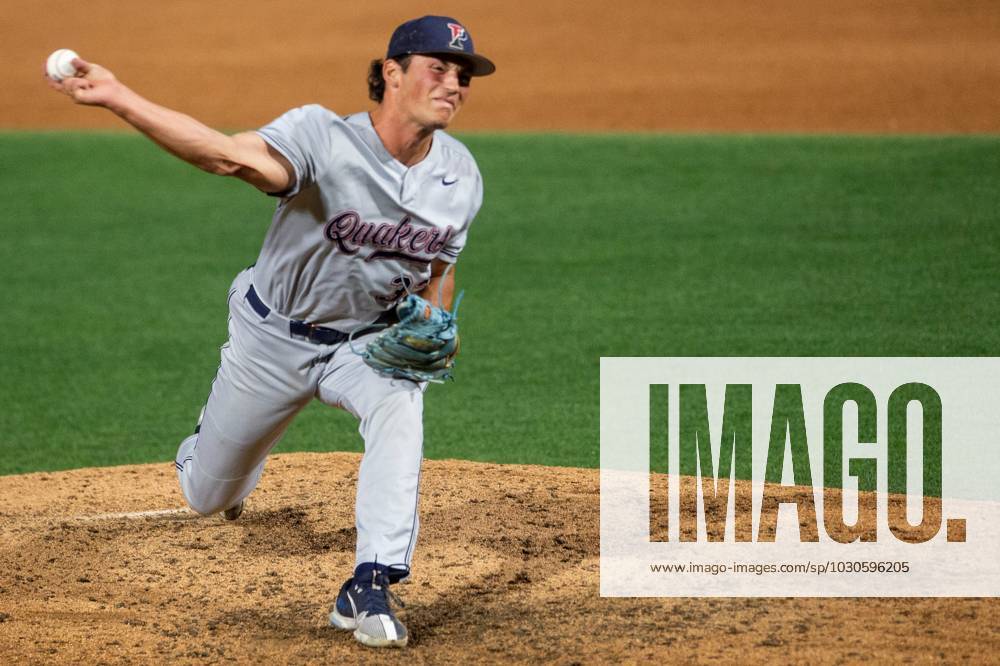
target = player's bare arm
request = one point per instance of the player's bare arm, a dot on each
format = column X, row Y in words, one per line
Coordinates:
column 245, row 156
column 442, row 283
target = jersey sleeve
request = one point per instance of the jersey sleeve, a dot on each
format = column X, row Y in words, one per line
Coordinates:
column 453, row 248
column 302, row 135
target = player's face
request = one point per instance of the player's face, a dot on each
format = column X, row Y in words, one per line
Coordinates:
column 434, row 89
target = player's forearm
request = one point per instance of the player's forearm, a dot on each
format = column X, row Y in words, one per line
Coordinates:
column 443, row 285
column 177, row 133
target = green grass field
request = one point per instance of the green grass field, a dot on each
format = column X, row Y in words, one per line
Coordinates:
column 116, row 260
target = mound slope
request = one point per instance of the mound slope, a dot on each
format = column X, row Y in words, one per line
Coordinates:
column 506, row 569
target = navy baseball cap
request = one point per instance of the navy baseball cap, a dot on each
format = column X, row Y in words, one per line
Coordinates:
column 438, row 35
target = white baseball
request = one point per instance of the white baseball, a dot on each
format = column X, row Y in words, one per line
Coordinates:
column 59, row 66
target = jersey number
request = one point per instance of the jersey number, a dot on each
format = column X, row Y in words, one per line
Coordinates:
column 403, row 285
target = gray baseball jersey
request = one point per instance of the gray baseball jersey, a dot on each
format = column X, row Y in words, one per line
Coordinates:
column 359, row 229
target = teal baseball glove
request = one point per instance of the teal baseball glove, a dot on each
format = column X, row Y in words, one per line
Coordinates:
column 421, row 347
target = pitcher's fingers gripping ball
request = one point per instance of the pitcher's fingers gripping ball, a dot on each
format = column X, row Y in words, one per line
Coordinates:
column 60, row 65
column 84, row 82
column 421, row 347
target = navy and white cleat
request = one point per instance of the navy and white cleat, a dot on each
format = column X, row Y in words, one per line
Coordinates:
column 364, row 605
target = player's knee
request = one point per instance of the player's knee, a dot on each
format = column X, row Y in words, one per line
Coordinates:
column 204, row 504
column 205, row 508
column 208, row 499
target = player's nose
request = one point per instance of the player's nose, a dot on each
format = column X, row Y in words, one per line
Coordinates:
column 451, row 80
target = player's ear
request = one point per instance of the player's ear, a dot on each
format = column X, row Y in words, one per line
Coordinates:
column 392, row 72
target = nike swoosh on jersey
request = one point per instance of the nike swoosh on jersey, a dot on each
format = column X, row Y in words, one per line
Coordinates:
column 446, row 182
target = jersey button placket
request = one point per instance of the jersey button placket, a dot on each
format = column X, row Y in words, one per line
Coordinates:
column 407, row 190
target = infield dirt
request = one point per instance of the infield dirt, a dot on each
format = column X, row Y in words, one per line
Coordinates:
column 772, row 65
column 508, row 557
column 507, row 571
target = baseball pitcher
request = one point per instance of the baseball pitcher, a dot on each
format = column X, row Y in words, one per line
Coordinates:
column 351, row 298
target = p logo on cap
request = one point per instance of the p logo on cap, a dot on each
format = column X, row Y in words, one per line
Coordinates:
column 457, row 36
column 438, row 35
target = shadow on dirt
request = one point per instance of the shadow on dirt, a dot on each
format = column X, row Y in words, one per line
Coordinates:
column 290, row 532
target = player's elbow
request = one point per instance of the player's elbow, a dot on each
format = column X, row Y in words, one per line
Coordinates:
column 218, row 166
column 221, row 155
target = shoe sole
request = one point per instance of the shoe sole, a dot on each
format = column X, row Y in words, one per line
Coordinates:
column 371, row 641
column 339, row 621
column 342, row 621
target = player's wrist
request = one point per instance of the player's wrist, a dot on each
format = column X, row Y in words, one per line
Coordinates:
column 122, row 100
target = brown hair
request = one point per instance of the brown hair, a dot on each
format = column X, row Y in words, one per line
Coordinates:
column 376, row 82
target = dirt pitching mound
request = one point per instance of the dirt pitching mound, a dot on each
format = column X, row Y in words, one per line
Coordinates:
column 105, row 565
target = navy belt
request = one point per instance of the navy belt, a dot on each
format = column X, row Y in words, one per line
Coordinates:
column 319, row 335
